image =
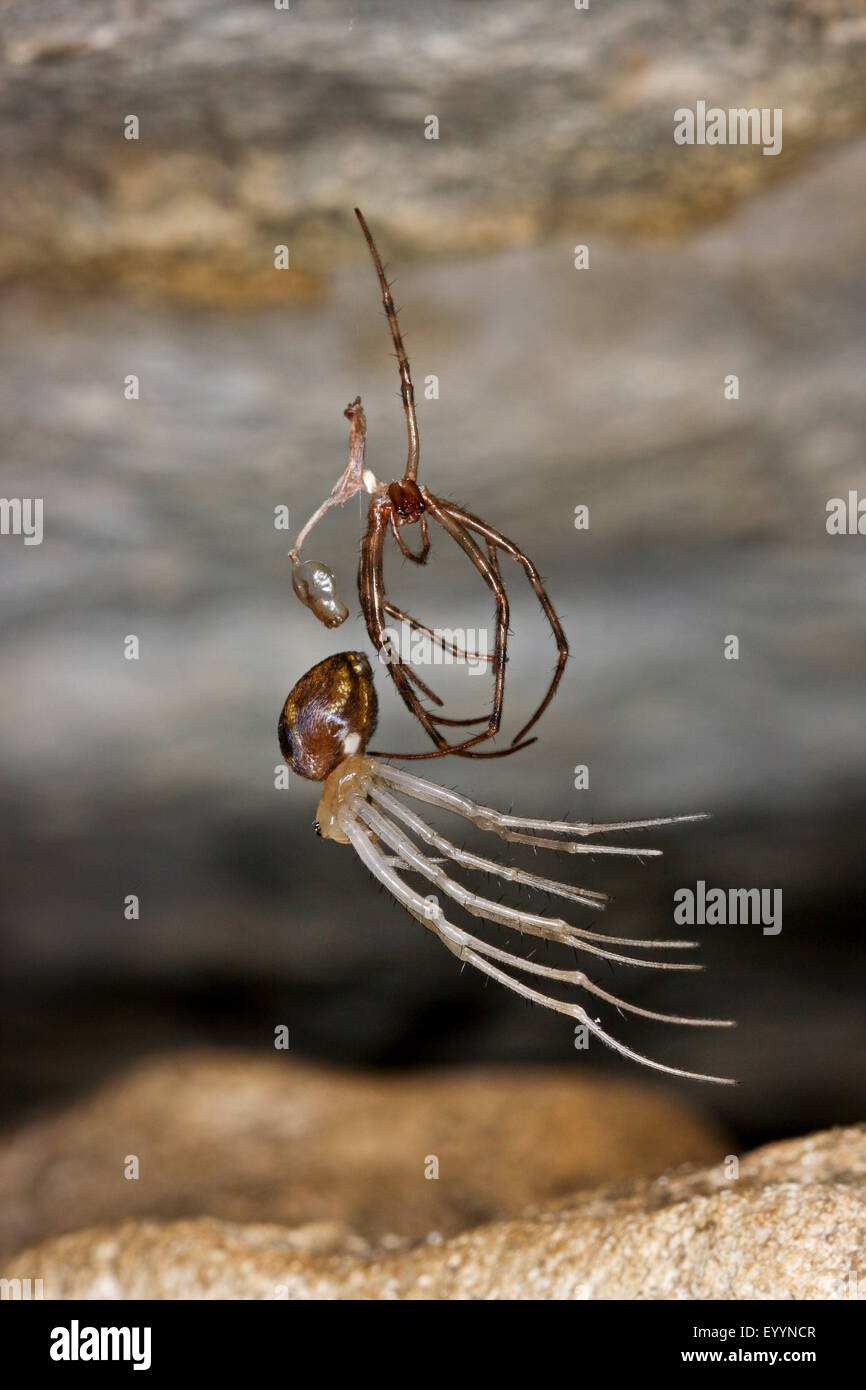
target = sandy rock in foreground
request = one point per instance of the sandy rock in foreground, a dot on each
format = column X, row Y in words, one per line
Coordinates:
column 792, row 1225
column 245, row 1139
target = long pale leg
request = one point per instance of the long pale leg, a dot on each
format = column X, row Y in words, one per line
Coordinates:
column 551, row 928
column 549, row 972
column 486, row 818
column 428, row 912
column 587, row 897
column 575, row 1011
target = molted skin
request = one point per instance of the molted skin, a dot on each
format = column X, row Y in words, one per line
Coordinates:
column 329, row 715
column 316, row 587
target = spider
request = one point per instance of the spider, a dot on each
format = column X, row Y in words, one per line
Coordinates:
column 395, row 507
column 324, row 728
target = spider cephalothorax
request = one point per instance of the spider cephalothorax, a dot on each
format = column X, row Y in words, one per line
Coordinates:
column 407, row 501
column 331, row 709
column 393, row 508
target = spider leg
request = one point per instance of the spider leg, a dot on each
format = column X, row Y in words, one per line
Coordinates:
column 494, row 560
column 550, row 928
column 496, row 538
column 455, row 524
column 431, row 695
column 421, row 557
column 569, row 846
column 486, row 818
column 371, row 590
column 425, row 689
column 488, row 567
column 582, row 981
column 372, row 596
column 575, row 1011
column 490, row 574
column 407, row 390
column 549, row 972
column 394, row 612
column 429, row 913
column 456, row 723
column 459, row 749
column 459, row 652
column 586, row 897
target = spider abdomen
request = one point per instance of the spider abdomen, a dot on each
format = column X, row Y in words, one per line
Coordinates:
column 329, row 715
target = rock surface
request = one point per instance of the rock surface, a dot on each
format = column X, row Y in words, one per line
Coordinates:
column 260, row 126
column 792, row 1225
column 227, row 1135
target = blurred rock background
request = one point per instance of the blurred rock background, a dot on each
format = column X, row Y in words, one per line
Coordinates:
column 557, row 387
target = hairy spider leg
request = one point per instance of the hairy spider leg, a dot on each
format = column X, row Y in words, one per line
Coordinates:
column 479, row 954
column 460, row 652
column 497, row 539
column 371, row 592
column 507, row 826
column 407, row 391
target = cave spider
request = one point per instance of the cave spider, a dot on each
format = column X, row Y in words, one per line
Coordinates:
column 324, row 727
column 394, row 507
